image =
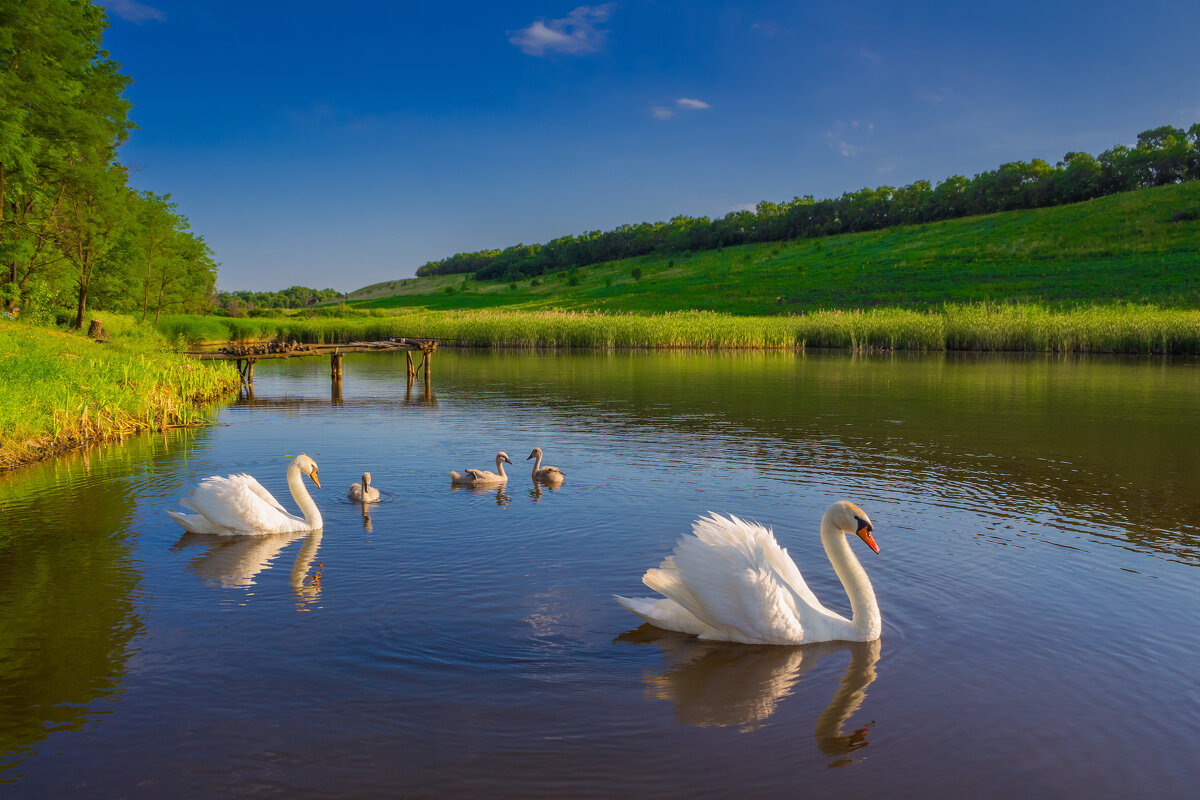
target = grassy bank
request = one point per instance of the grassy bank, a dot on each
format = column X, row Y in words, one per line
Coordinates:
column 61, row 390
column 1110, row 329
column 1139, row 247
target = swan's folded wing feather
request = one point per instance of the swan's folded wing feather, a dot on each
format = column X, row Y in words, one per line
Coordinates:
column 253, row 485
column 477, row 474
column 233, row 504
column 724, row 576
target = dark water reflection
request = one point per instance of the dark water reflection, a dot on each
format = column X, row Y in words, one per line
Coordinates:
column 1040, row 533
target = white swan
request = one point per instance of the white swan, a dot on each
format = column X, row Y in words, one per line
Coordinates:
column 731, row 581
column 363, row 491
column 545, row 474
column 479, row 477
column 240, row 504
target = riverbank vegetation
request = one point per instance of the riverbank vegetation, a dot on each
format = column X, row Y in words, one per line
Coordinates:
column 62, row 389
column 1112, row 329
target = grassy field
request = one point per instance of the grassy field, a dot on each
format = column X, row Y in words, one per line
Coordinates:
column 1111, row 329
column 1119, row 249
column 62, row 390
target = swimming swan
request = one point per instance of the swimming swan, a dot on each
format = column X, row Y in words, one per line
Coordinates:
column 546, row 474
column 479, row 477
column 731, row 581
column 363, row 491
column 240, row 504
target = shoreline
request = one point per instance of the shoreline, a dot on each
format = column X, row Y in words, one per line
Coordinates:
column 64, row 392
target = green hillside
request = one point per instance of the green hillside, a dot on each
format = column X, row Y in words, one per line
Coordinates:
column 1136, row 247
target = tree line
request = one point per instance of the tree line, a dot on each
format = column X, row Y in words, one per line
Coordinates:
column 236, row 303
column 73, row 232
column 1161, row 156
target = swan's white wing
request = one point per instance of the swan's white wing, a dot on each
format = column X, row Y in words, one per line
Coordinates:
column 478, row 474
column 253, row 485
column 733, row 576
column 233, row 503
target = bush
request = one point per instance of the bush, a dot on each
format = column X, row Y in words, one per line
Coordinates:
column 636, row 273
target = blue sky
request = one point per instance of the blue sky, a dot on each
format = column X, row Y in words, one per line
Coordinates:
column 341, row 144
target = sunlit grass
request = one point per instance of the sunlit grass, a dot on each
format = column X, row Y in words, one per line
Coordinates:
column 62, row 389
column 1101, row 329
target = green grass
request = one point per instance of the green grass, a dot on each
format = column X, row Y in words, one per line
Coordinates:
column 62, row 390
column 1122, row 248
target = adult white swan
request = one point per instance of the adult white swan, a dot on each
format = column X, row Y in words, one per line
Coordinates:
column 240, row 504
column 544, row 474
column 732, row 582
column 364, row 492
column 481, row 477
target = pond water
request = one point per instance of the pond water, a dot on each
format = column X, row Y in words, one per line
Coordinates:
column 1039, row 526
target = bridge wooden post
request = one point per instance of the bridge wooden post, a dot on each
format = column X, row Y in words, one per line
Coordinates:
column 335, row 367
column 428, row 358
column 412, row 371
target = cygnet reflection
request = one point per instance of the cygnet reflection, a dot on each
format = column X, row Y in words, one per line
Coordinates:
column 727, row 684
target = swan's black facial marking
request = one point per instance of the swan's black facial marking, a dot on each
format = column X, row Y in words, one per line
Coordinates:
column 862, row 523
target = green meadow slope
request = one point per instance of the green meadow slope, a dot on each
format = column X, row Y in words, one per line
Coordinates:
column 1138, row 247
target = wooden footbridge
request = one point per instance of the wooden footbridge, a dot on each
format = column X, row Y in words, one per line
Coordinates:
column 247, row 354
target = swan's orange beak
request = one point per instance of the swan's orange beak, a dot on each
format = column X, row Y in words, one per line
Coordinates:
column 313, row 475
column 864, row 533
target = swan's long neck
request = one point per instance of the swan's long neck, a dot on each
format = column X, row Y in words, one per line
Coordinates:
column 308, row 508
column 537, row 464
column 500, row 467
column 864, row 609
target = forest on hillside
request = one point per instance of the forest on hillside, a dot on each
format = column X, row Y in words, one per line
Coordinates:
column 73, row 232
column 1162, row 155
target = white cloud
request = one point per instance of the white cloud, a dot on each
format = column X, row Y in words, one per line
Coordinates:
column 845, row 137
column 685, row 103
column 573, row 34
column 131, row 11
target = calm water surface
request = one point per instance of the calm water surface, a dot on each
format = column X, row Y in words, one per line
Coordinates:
column 1039, row 520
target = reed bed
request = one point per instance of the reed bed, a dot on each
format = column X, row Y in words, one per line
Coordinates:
column 1100, row 329
column 62, row 390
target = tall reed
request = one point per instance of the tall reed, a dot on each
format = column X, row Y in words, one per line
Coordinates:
column 1028, row 327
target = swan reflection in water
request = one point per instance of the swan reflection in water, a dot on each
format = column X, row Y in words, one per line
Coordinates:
column 234, row 562
column 503, row 498
column 726, row 684
column 539, row 488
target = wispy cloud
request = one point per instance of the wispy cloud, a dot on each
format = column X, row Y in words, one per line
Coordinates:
column 576, row 33
column 846, row 137
column 131, row 11
column 768, row 28
column 868, row 55
column 685, row 103
column 935, row 94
